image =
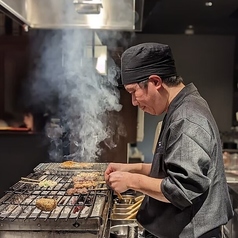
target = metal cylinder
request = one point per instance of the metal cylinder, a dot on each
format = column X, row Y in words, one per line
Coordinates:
column 132, row 231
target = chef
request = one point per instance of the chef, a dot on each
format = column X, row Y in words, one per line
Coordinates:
column 185, row 185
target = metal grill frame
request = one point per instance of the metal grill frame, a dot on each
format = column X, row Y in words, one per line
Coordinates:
column 54, row 168
column 91, row 223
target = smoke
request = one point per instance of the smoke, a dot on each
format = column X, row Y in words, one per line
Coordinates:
column 65, row 82
column 89, row 97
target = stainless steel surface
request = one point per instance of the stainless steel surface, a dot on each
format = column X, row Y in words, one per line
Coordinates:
column 54, row 168
column 125, row 210
column 129, row 210
column 119, row 205
column 133, row 231
column 119, row 216
column 122, row 218
column 75, row 214
column 121, row 210
column 46, row 234
column 88, row 7
column 54, row 14
column 122, row 222
column 124, row 231
column 126, row 199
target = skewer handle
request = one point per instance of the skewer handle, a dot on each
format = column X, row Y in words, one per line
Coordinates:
column 119, row 196
column 29, row 182
column 132, row 216
column 29, row 179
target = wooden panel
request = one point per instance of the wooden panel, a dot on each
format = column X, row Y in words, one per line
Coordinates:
column 126, row 119
column 14, row 53
column 129, row 115
column 14, row 43
column 16, row 65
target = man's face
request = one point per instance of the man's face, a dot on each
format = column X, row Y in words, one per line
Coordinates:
column 146, row 97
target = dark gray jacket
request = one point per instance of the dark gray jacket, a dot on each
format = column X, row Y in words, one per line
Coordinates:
column 189, row 159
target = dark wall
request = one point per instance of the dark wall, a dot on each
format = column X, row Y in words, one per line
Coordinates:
column 19, row 154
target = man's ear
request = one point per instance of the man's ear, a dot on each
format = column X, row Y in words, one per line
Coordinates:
column 156, row 80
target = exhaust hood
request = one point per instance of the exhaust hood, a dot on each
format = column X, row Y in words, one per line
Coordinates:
column 125, row 15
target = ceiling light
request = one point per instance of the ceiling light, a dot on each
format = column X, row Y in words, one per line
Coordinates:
column 208, row 4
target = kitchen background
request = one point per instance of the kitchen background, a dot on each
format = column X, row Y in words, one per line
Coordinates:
column 202, row 35
column 47, row 64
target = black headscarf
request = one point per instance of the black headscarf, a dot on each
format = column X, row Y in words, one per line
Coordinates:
column 140, row 61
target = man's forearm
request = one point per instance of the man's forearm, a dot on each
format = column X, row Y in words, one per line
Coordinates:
column 147, row 185
column 139, row 168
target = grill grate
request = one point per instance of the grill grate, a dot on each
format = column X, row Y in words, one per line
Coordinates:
column 54, row 168
column 18, row 205
column 83, row 211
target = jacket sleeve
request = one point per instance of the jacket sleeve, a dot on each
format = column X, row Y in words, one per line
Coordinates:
column 187, row 161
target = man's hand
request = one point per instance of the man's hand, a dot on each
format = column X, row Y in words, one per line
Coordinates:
column 118, row 181
column 121, row 177
column 112, row 167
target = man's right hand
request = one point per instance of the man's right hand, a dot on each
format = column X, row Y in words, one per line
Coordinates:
column 112, row 167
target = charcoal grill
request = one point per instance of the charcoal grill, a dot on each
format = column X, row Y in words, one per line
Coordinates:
column 78, row 215
column 54, row 168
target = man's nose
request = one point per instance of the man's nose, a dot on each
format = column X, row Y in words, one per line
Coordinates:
column 134, row 102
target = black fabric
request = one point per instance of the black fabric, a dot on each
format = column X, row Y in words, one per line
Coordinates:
column 215, row 233
column 140, row 61
column 147, row 234
column 188, row 158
